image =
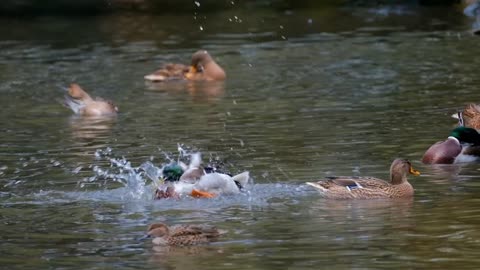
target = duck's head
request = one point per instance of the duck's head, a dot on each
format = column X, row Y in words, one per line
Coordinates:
column 466, row 135
column 199, row 60
column 157, row 230
column 204, row 68
column 399, row 170
column 76, row 92
column 172, row 172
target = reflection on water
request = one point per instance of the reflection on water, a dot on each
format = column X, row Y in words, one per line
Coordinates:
column 310, row 93
column 198, row 91
column 91, row 127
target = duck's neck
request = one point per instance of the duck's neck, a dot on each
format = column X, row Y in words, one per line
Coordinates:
column 397, row 178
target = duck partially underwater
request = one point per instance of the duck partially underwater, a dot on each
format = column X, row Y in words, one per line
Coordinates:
column 202, row 68
column 462, row 145
column 81, row 103
column 369, row 187
column 196, row 181
column 182, row 235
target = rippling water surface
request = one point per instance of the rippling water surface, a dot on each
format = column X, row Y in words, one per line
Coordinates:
column 310, row 93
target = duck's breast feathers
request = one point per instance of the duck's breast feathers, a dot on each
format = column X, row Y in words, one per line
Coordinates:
column 442, row 152
column 100, row 108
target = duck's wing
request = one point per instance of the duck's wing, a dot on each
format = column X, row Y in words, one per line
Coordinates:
column 75, row 105
column 168, row 72
column 352, row 183
column 184, row 230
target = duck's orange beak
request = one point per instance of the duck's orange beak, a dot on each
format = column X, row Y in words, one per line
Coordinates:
column 201, row 194
column 413, row 171
column 191, row 72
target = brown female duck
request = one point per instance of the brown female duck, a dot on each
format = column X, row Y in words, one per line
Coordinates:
column 202, row 68
column 370, row 187
column 182, row 235
column 82, row 104
column 470, row 116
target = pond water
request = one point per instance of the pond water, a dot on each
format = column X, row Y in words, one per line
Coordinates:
column 309, row 94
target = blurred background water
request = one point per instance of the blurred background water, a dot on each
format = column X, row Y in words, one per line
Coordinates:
column 311, row 92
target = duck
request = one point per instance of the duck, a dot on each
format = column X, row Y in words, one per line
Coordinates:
column 469, row 116
column 202, row 68
column 81, row 103
column 347, row 187
column 209, row 185
column 182, row 235
column 462, row 145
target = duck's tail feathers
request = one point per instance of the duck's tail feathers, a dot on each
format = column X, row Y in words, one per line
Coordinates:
column 75, row 105
column 242, row 178
column 317, row 186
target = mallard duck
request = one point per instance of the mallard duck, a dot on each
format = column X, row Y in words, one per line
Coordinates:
column 463, row 145
column 182, row 235
column 202, row 68
column 179, row 171
column 469, row 116
column 369, row 187
column 82, row 104
column 208, row 186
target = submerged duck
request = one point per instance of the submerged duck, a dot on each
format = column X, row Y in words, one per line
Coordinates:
column 463, row 145
column 202, row 68
column 182, row 235
column 470, row 116
column 82, row 104
column 369, row 187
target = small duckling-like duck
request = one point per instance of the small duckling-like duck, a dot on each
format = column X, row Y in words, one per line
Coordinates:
column 82, row 104
column 469, row 116
column 182, row 235
column 202, row 68
column 463, row 145
column 369, row 187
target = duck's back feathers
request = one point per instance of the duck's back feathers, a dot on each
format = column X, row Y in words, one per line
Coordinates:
column 183, row 235
column 168, row 72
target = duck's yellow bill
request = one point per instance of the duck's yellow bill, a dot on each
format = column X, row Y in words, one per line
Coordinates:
column 191, row 72
column 413, row 171
column 201, row 194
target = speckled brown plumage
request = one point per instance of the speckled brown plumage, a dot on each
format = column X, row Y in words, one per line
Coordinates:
column 369, row 187
column 471, row 116
column 182, row 235
column 202, row 68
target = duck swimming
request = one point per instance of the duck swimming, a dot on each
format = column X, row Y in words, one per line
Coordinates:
column 182, row 235
column 463, row 145
column 202, row 68
column 81, row 103
column 369, row 187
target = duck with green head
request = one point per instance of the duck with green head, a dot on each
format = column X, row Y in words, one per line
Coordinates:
column 197, row 181
column 462, row 145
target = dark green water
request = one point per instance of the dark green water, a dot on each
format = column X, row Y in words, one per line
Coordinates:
column 310, row 93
